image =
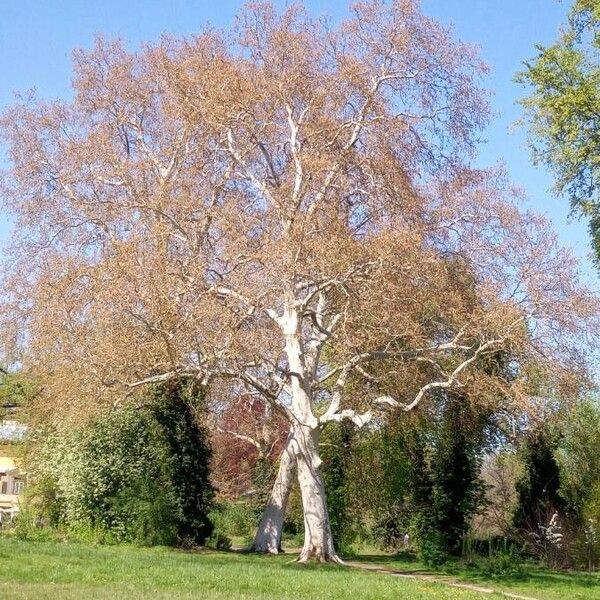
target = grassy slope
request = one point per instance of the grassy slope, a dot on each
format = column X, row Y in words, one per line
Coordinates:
column 535, row 581
column 60, row 571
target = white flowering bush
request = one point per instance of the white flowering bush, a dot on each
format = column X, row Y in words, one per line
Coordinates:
column 137, row 475
column 109, row 477
column 550, row 540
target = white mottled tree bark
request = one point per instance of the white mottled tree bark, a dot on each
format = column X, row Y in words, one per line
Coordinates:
column 302, row 358
column 268, row 534
column 318, row 539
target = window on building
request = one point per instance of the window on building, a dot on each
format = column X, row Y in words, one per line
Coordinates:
column 3, row 487
column 18, row 487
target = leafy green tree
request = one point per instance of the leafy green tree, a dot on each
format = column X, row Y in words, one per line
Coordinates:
column 579, row 462
column 563, row 111
column 395, row 454
column 424, row 476
column 188, row 454
column 135, row 474
column 577, row 455
column 447, row 488
column 338, row 454
column 538, row 489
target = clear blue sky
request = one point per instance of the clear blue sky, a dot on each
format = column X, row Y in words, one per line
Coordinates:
column 37, row 36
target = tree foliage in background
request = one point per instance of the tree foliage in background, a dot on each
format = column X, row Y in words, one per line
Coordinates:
column 579, row 462
column 338, row 453
column 135, row 474
column 538, row 493
column 175, row 409
column 578, row 454
column 447, row 488
column 16, row 390
column 246, row 440
column 563, row 111
column 417, row 474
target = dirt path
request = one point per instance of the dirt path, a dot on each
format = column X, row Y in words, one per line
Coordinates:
column 441, row 579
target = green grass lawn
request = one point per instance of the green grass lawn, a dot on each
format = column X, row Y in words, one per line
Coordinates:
column 534, row 581
column 57, row 571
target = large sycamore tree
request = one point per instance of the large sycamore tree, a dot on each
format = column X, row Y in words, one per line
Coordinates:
column 286, row 209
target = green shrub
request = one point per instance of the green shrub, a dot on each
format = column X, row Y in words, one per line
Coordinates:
column 503, row 562
column 135, row 475
column 428, row 539
column 27, row 527
column 235, row 519
column 145, row 514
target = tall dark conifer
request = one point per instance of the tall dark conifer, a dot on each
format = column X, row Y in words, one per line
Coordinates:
column 174, row 408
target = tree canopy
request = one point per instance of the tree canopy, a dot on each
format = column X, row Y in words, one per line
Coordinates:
column 563, row 108
column 288, row 208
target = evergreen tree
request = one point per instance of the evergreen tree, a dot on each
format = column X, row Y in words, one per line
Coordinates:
column 538, row 489
column 457, row 488
column 337, row 452
column 189, row 454
column 447, row 489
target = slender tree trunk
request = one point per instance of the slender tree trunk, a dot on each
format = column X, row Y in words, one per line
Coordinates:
column 268, row 534
column 318, row 540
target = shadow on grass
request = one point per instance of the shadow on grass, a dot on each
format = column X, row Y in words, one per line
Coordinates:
column 554, row 579
column 385, row 559
column 530, row 575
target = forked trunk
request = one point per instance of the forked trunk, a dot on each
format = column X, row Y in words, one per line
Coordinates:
column 268, row 534
column 318, row 540
column 305, row 434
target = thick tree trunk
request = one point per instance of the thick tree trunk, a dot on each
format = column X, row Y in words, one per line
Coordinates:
column 318, row 540
column 305, row 433
column 268, row 534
